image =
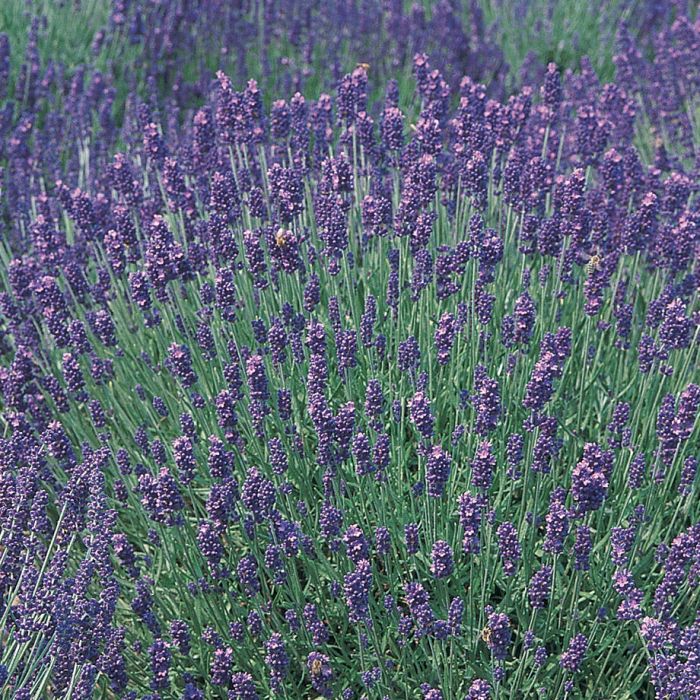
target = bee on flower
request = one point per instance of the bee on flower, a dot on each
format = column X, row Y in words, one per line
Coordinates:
column 281, row 237
column 593, row 263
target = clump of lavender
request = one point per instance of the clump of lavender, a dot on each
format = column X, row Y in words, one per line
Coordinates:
column 294, row 398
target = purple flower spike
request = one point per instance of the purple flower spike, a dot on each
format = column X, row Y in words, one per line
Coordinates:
column 571, row 659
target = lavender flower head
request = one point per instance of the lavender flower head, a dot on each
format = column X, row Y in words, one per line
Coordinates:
column 497, row 634
column 571, row 659
column 437, row 471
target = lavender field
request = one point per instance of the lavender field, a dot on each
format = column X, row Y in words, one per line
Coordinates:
column 349, row 350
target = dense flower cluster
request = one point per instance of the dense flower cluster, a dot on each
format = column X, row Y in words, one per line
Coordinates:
column 363, row 396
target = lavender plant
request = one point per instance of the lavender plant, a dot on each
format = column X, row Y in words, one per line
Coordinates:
column 354, row 397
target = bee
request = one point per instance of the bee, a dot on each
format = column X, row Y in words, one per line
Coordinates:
column 486, row 634
column 593, row 264
column 316, row 667
column 281, row 238
column 364, row 66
